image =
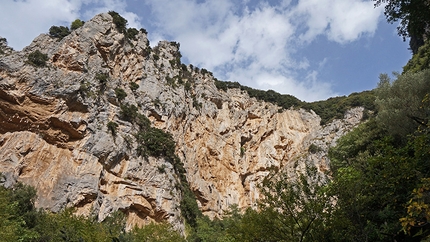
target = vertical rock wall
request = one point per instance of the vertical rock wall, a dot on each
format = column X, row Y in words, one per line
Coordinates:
column 54, row 131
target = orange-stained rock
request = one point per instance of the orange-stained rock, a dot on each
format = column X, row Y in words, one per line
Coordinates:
column 54, row 131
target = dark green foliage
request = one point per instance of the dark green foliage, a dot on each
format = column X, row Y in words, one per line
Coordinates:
column 295, row 210
column 335, row 108
column 20, row 221
column 187, row 86
column 37, row 59
column 285, row 101
column 102, row 77
column 313, row 148
column 120, row 94
column 218, row 230
column 76, row 24
column 131, row 33
column 413, row 16
column 128, row 112
column 119, row 21
column 12, row 217
column 155, row 233
column 143, row 31
column 189, row 208
column 420, row 61
column 85, row 89
column 59, row 31
column 196, row 104
column 157, row 143
column 171, row 81
column 400, row 103
column 112, row 127
column 143, row 122
column 377, row 166
column 328, row 110
column 134, row 86
column 373, row 177
column 203, row 71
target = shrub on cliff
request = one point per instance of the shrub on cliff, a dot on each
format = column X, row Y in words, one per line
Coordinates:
column 134, row 86
column 59, row 31
column 131, row 33
column 76, row 24
column 119, row 21
column 112, row 127
column 120, row 94
column 37, row 59
column 128, row 112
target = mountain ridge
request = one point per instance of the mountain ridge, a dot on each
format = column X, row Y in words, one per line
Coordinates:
column 80, row 125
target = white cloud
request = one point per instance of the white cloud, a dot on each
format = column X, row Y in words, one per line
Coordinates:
column 256, row 46
column 104, row 6
column 340, row 20
column 253, row 42
column 26, row 19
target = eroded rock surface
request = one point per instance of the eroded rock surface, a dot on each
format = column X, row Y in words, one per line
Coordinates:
column 54, row 131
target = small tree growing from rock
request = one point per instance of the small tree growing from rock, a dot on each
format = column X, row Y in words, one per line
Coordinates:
column 37, row 59
column 76, row 24
column 59, row 31
column 119, row 21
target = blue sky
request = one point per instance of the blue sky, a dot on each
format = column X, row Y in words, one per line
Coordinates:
column 312, row 49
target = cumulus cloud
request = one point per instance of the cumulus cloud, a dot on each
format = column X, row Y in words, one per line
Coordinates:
column 24, row 20
column 253, row 42
column 28, row 18
column 340, row 20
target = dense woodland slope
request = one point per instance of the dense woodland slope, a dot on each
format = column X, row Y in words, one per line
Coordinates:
column 375, row 188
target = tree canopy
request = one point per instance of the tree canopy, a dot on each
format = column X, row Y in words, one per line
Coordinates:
column 413, row 16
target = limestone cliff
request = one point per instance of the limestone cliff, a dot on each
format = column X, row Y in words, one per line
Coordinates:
column 55, row 134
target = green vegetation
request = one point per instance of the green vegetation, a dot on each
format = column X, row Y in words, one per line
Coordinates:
column 62, row 31
column 332, row 108
column 129, row 112
column 413, row 17
column 134, row 86
column 131, row 33
column 379, row 185
column 157, row 143
column 420, row 61
column 20, row 221
column 85, row 89
column 143, row 31
column 378, row 188
column 401, row 103
column 76, row 24
column 59, row 31
column 102, row 78
column 112, row 127
column 37, row 59
column 119, row 21
column 313, row 148
column 120, row 94
column 335, row 108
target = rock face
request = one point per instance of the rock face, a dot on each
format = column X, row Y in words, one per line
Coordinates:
column 55, row 133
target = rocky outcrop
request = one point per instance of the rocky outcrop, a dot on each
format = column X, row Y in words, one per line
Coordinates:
column 54, row 131
column 4, row 48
